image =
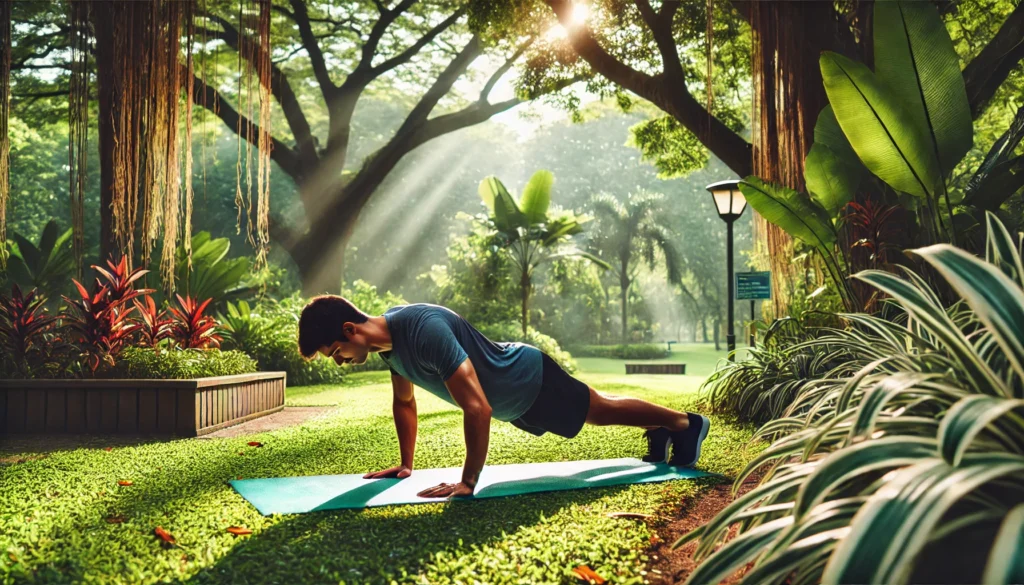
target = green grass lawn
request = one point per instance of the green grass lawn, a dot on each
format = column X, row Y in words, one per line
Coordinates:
column 53, row 510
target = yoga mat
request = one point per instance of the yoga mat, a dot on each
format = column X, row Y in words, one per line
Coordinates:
column 295, row 495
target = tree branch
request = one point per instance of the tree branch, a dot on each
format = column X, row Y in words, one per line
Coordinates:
column 316, row 56
column 285, row 157
column 673, row 100
column 990, row 68
column 442, row 85
column 408, row 54
column 469, row 116
column 378, row 30
column 508, row 64
column 662, row 31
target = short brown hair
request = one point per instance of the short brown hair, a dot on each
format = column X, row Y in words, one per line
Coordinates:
column 320, row 323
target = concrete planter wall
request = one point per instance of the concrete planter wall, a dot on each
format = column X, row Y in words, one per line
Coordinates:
column 165, row 407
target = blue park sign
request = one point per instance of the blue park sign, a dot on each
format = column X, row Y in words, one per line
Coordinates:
column 751, row 286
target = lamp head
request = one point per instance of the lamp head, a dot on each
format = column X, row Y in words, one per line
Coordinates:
column 729, row 200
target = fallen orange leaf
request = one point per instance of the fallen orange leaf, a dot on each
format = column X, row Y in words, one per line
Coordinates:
column 255, row 444
column 655, row 539
column 239, row 477
column 114, row 519
column 587, row 574
column 239, row 530
column 164, row 535
column 108, row 448
column 12, row 557
column 125, row 482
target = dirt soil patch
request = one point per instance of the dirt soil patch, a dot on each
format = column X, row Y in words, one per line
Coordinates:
column 669, row 567
column 16, row 449
column 289, row 417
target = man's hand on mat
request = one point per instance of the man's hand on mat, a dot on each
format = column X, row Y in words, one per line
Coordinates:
column 447, row 490
column 399, row 471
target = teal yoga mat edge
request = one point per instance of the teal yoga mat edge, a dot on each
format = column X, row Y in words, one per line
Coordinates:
column 301, row 494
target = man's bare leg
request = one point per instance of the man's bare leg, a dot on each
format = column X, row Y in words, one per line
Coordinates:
column 633, row 412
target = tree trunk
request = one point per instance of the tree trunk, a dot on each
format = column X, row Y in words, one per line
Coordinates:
column 101, row 15
column 788, row 95
column 624, row 284
column 718, row 331
column 703, row 329
column 524, row 285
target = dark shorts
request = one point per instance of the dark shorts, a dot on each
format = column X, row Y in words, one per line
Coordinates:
column 561, row 406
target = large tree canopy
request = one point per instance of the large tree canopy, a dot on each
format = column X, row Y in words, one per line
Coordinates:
column 657, row 51
column 327, row 55
column 346, row 50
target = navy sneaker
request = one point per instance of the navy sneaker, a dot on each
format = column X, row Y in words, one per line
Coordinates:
column 686, row 443
column 658, row 441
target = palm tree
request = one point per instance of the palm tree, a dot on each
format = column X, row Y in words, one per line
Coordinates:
column 631, row 232
column 527, row 232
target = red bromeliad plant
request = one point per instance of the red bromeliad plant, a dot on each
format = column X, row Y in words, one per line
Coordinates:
column 101, row 319
column 23, row 328
column 191, row 328
column 154, row 325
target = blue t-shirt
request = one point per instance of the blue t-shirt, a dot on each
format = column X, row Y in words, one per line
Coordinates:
column 429, row 342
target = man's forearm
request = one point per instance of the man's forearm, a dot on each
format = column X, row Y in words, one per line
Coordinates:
column 477, row 427
column 405, row 424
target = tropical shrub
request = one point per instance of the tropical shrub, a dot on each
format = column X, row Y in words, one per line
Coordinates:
column 528, row 232
column 760, row 388
column 511, row 331
column 178, row 364
column 46, row 266
column 904, row 462
column 365, row 296
column 29, row 337
column 268, row 332
column 191, row 328
column 891, row 136
column 211, row 274
column 641, row 351
column 100, row 321
column 154, row 324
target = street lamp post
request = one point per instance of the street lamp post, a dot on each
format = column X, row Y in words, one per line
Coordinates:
column 730, row 203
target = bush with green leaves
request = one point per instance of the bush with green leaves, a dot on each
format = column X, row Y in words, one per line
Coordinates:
column 891, row 136
column 760, row 388
column 636, row 351
column 269, row 334
column 47, row 266
column 211, row 275
column 512, row 331
column 904, row 462
column 179, row 364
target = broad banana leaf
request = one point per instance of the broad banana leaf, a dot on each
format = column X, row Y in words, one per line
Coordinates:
column 796, row 213
column 914, row 56
column 878, row 126
column 828, row 133
column 537, row 197
column 831, row 181
column 507, row 216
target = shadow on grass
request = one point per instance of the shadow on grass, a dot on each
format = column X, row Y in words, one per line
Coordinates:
column 44, row 444
column 381, row 544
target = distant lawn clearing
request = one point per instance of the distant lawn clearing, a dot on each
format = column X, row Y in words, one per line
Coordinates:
column 66, row 519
